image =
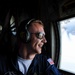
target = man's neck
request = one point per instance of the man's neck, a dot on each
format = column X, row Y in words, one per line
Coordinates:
column 25, row 54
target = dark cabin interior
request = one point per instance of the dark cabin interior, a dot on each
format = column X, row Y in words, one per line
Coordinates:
column 48, row 11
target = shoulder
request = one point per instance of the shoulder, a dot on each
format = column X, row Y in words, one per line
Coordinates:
column 45, row 59
column 42, row 59
column 41, row 56
column 47, row 63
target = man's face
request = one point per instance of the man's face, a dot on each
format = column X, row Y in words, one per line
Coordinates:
column 37, row 38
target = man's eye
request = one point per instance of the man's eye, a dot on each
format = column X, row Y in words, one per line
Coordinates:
column 40, row 36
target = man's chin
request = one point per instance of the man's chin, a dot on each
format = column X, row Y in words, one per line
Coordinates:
column 39, row 51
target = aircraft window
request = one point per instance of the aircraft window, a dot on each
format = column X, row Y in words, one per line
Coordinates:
column 12, row 25
column 67, row 44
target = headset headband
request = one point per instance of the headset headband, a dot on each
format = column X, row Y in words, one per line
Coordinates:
column 29, row 22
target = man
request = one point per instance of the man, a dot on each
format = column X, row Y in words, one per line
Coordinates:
column 27, row 58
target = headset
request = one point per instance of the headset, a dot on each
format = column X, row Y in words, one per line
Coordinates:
column 23, row 32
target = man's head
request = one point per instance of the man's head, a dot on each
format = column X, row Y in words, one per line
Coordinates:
column 33, row 34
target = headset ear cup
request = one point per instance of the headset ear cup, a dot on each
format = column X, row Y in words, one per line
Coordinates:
column 25, row 36
column 23, row 31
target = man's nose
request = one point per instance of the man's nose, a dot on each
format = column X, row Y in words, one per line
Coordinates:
column 44, row 40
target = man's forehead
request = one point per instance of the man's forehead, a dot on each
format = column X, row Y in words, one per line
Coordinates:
column 35, row 27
